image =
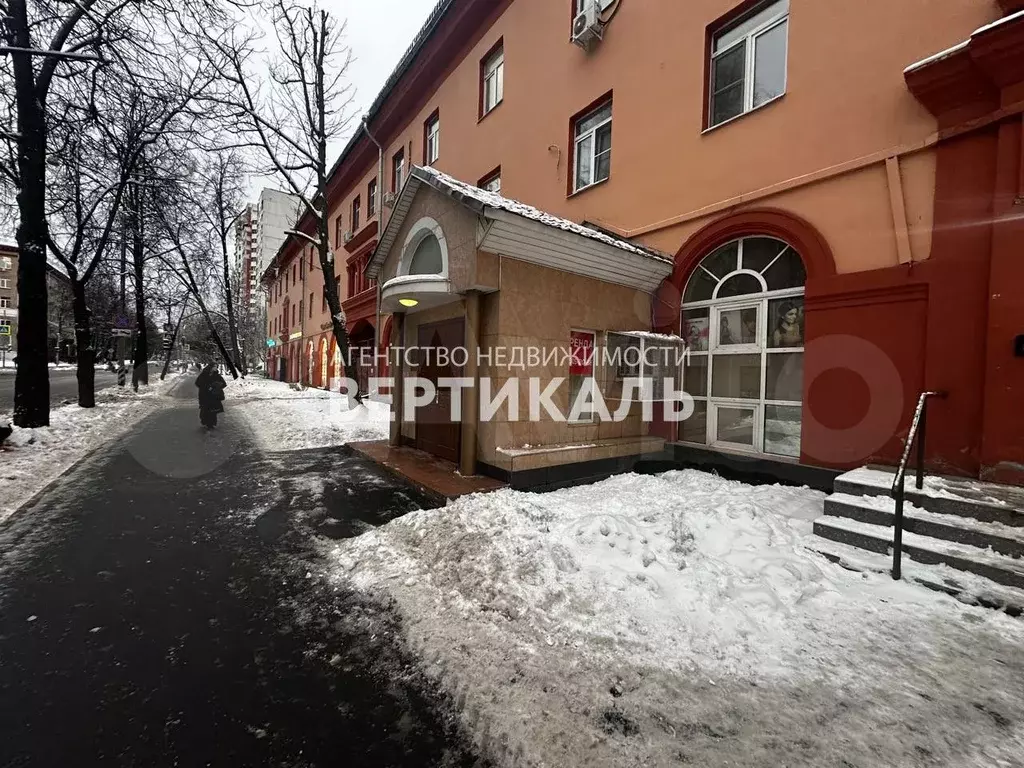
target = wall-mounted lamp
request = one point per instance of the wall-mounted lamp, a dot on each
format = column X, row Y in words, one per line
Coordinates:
column 408, row 302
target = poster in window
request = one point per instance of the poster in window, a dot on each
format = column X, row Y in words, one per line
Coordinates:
column 582, row 349
column 695, row 332
column 786, row 323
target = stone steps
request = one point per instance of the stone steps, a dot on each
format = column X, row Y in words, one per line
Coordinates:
column 972, row 530
column 966, row 587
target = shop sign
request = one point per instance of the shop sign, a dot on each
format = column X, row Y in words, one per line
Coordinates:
column 271, row 343
column 295, row 335
column 582, row 349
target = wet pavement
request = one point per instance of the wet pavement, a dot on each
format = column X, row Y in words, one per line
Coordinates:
column 161, row 605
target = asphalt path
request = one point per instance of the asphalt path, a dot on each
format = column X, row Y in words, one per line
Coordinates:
column 166, row 604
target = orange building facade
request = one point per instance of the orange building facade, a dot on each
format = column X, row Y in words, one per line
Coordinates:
column 838, row 187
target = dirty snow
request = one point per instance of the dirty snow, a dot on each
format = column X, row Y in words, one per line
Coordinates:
column 681, row 619
column 30, row 459
column 304, row 418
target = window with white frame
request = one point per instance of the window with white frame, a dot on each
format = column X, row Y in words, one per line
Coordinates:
column 592, row 156
column 743, row 321
column 432, row 139
column 371, row 197
column 4, row 303
column 579, row 6
column 5, row 282
column 748, row 62
column 5, row 263
column 652, row 360
column 397, row 171
column 493, row 74
column 492, row 181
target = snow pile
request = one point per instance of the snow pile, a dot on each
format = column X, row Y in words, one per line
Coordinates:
column 30, row 459
column 656, row 620
column 309, row 418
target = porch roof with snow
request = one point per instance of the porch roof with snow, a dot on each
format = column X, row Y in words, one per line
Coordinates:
column 516, row 230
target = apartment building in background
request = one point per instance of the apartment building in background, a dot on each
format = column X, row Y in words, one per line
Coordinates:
column 9, row 298
column 821, row 201
column 259, row 232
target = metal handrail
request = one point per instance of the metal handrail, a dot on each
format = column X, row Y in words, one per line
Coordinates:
column 917, row 430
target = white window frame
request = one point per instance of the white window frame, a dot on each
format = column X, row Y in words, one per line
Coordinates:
column 5, row 263
column 493, row 184
column 494, row 75
column 5, row 282
column 433, row 139
column 592, row 135
column 714, row 306
column 398, row 170
column 5, row 303
column 749, row 41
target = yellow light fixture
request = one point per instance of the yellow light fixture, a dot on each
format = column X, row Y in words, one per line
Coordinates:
column 408, row 302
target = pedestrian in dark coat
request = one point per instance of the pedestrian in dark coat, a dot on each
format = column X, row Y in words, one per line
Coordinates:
column 211, row 387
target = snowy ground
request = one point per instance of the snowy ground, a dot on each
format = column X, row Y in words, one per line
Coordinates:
column 32, row 458
column 681, row 620
column 286, row 419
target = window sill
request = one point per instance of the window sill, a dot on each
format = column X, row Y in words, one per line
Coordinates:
column 587, row 188
column 742, row 115
column 489, row 112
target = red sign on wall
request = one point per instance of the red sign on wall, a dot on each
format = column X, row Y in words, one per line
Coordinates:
column 582, row 348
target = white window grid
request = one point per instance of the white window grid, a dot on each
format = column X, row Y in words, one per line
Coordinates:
column 592, row 156
column 494, row 80
column 493, row 184
column 399, row 165
column 749, row 41
column 715, row 307
column 5, row 282
column 433, row 140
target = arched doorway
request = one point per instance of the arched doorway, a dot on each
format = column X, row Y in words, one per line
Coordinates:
column 310, row 363
column 743, row 319
column 322, row 380
column 333, row 364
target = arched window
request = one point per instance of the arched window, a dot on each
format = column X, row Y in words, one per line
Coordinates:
column 427, row 259
column 743, row 320
column 425, row 251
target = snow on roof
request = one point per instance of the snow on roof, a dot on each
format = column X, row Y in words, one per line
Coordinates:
column 961, row 46
column 937, row 56
column 494, row 200
column 651, row 336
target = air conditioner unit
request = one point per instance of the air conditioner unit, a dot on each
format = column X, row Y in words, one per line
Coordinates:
column 587, row 27
column 347, row 237
column 390, row 198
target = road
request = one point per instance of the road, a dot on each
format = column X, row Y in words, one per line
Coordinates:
column 165, row 604
column 63, row 385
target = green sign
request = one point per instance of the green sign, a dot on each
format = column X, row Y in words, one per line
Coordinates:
column 271, row 343
column 5, row 330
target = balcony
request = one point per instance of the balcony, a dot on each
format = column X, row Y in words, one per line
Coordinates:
column 361, row 307
column 8, row 313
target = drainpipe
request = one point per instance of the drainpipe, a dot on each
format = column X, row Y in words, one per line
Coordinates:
column 380, row 233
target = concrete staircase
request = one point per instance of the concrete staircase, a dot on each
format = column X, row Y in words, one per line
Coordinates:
column 963, row 537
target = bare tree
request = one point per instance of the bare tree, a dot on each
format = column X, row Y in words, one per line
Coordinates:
column 105, row 165
column 292, row 116
column 53, row 59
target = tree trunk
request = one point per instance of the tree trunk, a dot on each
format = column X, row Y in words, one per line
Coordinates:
column 174, row 340
column 86, row 368
column 140, row 369
column 32, row 379
column 232, row 325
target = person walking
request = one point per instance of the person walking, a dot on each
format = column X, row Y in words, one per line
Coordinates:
column 211, row 387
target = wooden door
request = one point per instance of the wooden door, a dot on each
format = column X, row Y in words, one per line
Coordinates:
column 436, row 433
